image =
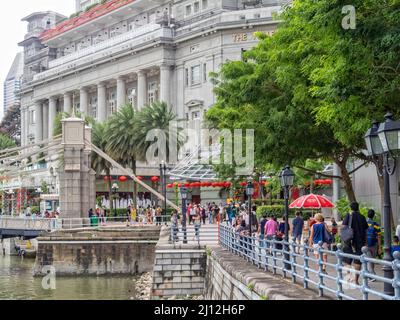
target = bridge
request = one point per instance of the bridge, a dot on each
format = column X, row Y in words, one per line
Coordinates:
column 27, row 228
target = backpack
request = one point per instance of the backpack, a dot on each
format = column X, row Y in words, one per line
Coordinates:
column 372, row 233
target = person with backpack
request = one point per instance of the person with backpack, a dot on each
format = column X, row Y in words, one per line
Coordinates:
column 374, row 240
column 354, row 236
column 298, row 225
column 319, row 233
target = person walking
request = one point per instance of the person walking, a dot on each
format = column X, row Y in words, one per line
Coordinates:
column 197, row 226
column 261, row 230
column 398, row 231
column 298, row 226
column 203, row 214
column 395, row 247
column 159, row 213
column 359, row 225
column 334, row 232
column 271, row 229
column 374, row 244
column 318, row 234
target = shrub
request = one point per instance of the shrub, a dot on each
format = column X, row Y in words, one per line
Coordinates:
column 343, row 207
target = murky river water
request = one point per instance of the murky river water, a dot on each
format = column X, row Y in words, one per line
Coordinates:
column 18, row 283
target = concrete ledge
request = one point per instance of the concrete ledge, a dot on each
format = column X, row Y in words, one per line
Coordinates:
column 243, row 280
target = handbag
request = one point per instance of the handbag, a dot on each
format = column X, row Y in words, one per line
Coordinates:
column 328, row 236
column 347, row 233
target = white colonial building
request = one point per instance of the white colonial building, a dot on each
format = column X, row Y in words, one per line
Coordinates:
column 136, row 51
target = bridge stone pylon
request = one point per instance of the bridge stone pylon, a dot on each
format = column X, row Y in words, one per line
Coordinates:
column 77, row 179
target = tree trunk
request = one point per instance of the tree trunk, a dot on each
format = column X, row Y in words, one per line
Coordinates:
column 135, row 186
column 348, row 184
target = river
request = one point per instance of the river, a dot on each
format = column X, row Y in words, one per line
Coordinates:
column 17, row 283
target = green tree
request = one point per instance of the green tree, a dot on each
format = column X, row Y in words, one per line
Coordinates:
column 11, row 124
column 6, row 142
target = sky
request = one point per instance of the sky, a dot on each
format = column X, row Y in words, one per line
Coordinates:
column 13, row 29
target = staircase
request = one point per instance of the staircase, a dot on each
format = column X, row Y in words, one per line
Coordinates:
column 208, row 235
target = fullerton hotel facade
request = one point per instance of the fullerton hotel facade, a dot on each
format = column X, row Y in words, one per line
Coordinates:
column 133, row 51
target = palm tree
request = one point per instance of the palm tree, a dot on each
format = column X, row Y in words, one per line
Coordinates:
column 156, row 116
column 122, row 143
column 99, row 164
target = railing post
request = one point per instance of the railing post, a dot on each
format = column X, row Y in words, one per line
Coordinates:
column 293, row 261
column 339, row 270
column 274, row 255
column 364, row 271
column 306, row 265
column 396, row 278
column 320, row 269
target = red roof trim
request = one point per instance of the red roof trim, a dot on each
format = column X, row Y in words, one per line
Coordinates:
column 83, row 18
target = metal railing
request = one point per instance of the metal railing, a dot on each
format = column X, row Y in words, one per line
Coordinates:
column 285, row 258
column 55, row 224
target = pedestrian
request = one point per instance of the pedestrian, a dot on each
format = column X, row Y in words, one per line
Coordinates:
column 298, row 225
column 261, row 229
column 374, row 244
column 197, row 226
column 271, row 229
column 318, row 234
column 282, row 227
column 396, row 246
column 242, row 233
column 128, row 216
column 203, row 214
column 334, row 232
column 253, row 220
column 159, row 213
column 398, row 231
column 359, row 225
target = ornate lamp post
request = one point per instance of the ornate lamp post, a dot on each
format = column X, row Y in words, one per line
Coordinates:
column 383, row 144
column 249, row 193
column 184, row 195
column 115, row 189
column 287, row 181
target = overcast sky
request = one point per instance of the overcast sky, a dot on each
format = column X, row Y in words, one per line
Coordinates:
column 13, row 29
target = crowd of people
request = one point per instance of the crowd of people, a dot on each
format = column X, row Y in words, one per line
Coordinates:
column 313, row 232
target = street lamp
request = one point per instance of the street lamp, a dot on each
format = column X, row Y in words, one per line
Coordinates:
column 383, row 144
column 184, row 195
column 286, row 179
column 250, row 193
column 115, row 189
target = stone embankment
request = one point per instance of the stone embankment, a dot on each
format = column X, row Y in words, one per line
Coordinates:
column 127, row 251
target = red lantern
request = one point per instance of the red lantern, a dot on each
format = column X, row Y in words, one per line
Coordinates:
column 170, row 186
column 187, row 185
column 139, row 178
column 243, row 184
column 227, row 185
column 155, row 179
column 123, row 179
column 328, row 182
column 106, row 178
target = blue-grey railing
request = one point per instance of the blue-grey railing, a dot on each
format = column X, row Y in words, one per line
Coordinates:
column 285, row 258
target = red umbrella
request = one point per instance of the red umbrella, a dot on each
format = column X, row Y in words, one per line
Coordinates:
column 312, row 201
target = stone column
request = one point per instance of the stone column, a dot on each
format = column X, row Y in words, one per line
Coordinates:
column 45, row 121
column 121, row 92
column 39, row 121
column 336, row 189
column 52, row 114
column 68, row 102
column 165, row 84
column 27, row 125
column 84, row 100
column 142, row 89
column 77, row 179
column 101, row 102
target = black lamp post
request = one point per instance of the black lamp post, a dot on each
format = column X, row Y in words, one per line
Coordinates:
column 249, row 193
column 163, row 175
column 184, row 195
column 287, row 181
column 115, row 189
column 383, row 144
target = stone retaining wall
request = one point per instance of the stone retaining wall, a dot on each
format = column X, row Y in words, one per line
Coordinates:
column 97, row 253
column 229, row 277
column 179, row 270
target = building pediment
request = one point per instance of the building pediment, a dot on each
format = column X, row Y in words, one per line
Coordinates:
column 195, row 103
